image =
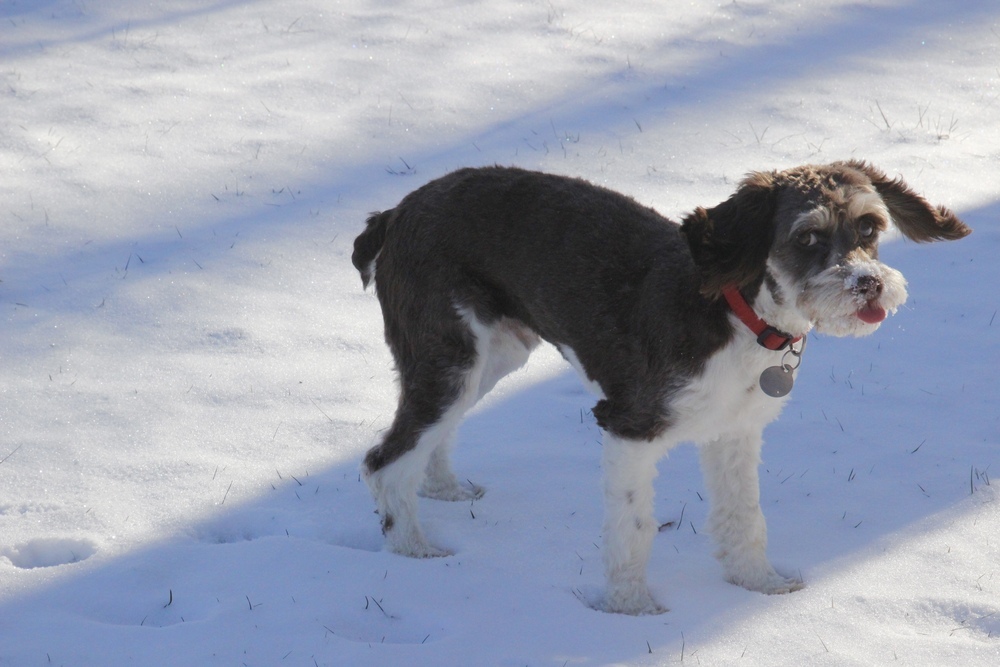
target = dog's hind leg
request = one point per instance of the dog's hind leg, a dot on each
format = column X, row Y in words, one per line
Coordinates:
column 394, row 485
column 509, row 344
column 629, row 468
column 735, row 519
column 501, row 348
column 435, row 391
column 440, row 481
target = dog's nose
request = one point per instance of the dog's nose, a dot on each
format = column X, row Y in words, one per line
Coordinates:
column 869, row 287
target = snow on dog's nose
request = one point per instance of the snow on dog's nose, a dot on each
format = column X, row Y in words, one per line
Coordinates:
column 869, row 287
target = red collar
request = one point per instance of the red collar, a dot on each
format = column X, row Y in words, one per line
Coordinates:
column 767, row 336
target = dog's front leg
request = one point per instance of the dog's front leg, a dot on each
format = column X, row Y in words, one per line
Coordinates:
column 629, row 526
column 735, row 520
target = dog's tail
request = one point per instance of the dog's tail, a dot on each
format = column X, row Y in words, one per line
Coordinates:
column 369, row 244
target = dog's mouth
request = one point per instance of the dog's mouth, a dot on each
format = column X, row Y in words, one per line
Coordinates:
column 839, row 312
column 871, row 313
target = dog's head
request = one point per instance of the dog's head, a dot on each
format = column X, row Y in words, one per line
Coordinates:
column 803, row 244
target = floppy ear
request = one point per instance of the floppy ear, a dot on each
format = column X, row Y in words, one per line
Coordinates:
column 917, row 219
column 730, row 242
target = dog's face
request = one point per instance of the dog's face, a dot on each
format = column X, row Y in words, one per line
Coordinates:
column 807, row 240
column 824, row 255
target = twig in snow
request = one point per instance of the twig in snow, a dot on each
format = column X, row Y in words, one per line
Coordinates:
column 888, row 125
column 377, row 605
column 321, row 410
column 16, row 449
column 409, row 171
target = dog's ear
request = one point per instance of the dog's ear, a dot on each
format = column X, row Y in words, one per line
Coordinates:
column 730, row 242
column 915, row 218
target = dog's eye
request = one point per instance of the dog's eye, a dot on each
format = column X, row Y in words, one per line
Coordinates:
column 866, row 229
column 807, row 239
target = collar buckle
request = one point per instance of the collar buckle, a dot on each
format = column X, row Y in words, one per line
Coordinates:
column 774, row 339
column 767, row 336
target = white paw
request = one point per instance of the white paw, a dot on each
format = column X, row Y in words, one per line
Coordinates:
column 423, row 550
column 770, row 583
column 451, row 491
column 781, row 585
column 632, row 601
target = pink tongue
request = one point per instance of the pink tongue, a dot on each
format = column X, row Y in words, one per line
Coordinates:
column 872, row 314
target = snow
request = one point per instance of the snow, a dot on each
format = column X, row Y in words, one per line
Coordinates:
column 191, row 372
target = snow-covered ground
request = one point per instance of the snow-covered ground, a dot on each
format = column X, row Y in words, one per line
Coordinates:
column 190, row 371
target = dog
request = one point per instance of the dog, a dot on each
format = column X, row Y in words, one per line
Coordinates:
column 686, row 332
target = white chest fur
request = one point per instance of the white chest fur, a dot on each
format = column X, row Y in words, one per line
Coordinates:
column 726, row 399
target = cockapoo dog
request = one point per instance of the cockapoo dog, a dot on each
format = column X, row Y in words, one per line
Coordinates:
column 688, row 332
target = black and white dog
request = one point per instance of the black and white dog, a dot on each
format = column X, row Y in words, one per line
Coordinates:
column 687, row 332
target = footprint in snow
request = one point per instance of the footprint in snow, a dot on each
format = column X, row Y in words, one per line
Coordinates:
column 49, row 552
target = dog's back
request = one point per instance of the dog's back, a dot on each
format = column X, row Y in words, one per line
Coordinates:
column 513, row 243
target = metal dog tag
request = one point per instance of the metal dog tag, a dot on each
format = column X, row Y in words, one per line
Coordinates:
column 777, row 381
